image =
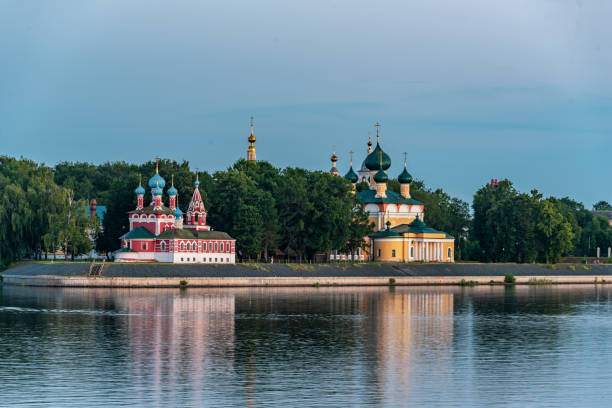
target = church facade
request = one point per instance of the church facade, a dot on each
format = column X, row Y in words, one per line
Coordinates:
column 164, row 234
column 401, row 234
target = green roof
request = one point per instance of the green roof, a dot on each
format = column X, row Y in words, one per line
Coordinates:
column 187, row 234
column 124, row 250
column 369, row 196
column 418, row 227
column 139, row 233
column 150, row 210
column 176, row 233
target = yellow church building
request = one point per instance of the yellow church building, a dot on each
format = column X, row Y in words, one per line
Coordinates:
column 401, row 234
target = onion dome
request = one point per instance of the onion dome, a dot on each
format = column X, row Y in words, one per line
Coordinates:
column 172, row 191
column 178, row 213
column 140, row 189
column 197, row 182
column 334, row 158
column 404, row 177
column 373, row 161
column 157, row 180
column 351, row 176
column 417, row 222
column 157, row 191
column 381, row 176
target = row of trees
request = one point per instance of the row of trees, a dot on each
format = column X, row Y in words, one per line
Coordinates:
column 266, row 209
column 37, row 215
column 293, row 210
column 509, row 226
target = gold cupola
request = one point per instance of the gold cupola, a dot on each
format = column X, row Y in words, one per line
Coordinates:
column 251, row 156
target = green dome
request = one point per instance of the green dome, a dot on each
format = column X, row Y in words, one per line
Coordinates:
column 351, row 176
column 405, row 177
column 381, row 177
column 417, row 223
column 372, row 162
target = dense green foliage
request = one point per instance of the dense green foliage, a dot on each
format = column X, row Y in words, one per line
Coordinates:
column 442, row 212
column 37, row 215
column 266, row 209
column 509, row 226
column 288, row 211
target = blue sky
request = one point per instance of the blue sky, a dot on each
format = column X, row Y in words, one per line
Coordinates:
column 472, row 90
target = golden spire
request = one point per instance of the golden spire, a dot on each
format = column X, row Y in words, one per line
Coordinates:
column 377, row 132
column 351, row 154
column 139, row 179
column 405, row 158
column 156, row 164
column 251, row 150
column 173, row 180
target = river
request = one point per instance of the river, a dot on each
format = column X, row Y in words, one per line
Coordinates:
column 536, row 346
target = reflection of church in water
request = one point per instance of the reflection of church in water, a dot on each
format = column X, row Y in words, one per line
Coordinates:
column 176, row 337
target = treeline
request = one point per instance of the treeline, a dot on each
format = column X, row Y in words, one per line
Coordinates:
column 295, row 211
column 510, row 226
column 37, row 215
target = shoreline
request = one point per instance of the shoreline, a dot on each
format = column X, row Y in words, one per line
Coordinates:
column 176, row 282
column 301, row 275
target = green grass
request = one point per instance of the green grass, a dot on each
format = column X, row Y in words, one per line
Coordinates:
column 316, row 285
column 183, row 283
column 469, row 283
column 550, row 266
column 391, row 281
column 541, row 281
column 571, row 267
column 586, row 268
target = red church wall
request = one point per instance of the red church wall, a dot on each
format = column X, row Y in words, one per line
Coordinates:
column 143, row 245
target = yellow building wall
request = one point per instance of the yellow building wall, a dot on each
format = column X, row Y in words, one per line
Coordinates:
column 402, row 249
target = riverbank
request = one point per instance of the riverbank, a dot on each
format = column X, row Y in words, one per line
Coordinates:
column 369, row 274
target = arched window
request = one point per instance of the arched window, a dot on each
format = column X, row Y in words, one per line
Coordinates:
column 162, row 246
column 204, row 247
column 182, row 247
column 379, row 252
column 411, row 252
column 216, row 248
column 393, row 253
column 222, row 247
column 450, row 253
column 188, row 246
column 144, row 246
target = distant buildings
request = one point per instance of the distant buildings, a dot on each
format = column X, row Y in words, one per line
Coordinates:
column 157, row 232
column 401, row 234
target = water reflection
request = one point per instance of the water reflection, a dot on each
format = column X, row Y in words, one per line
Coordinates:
column 328, row 346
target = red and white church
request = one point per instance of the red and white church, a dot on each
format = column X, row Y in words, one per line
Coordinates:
column 159, row 234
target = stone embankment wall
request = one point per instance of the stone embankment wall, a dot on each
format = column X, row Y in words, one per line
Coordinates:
column 163, row 275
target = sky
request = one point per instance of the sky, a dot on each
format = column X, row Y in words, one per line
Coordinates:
column 471, row 90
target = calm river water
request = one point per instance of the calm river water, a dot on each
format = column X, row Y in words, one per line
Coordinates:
column 432, row 347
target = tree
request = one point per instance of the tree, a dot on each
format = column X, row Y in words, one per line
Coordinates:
column 359, row 228
column 602, row 206
column 554, row 234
